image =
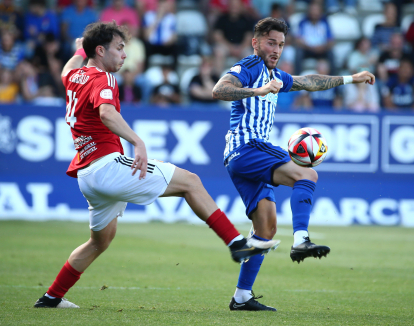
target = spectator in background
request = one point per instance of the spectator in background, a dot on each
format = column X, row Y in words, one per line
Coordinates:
column 289, row 51
column 74, row 20
column 135, row 50
column 148, row 5
column 361, row 98
column 128, row 91
column 62, row 4
column 398, row 92
column 160, row 31
column 289, row 100
column 332, row 6
column 10, row 17
column 389, row 60
column 166, row 93
column 201, row 86
column 8, row 88
column 363, row 56
column 28, row 80
column 409, row 36
column 217, row 8
column 39, row 21
column 232, row 35
column 11, row 53
column 48, row 59
column 381, row 38
column 276, row 11
column 121, row 13
column 314, row 39
column 265, row 7
column 46, row 96
column 329, row 98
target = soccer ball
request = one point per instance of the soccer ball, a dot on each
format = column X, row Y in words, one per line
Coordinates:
column 307, row 147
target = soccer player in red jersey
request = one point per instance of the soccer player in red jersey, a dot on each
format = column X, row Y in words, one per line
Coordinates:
column 107, row 178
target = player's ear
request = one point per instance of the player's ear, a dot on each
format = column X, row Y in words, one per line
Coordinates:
column 100, row 50
column 255, row 43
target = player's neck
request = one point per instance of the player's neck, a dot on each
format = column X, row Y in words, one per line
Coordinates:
column 97, row 64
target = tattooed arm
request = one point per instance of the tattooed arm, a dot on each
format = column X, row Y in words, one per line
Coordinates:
column 314, row 83
column 229, row 88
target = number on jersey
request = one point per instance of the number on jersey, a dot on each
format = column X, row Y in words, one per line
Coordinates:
column 70, row 109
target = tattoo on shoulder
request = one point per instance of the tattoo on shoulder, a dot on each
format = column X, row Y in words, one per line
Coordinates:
column 314, row 83
column 230, row 88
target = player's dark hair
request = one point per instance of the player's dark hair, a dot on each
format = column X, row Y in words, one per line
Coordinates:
column 101, row 34
column 265, row 25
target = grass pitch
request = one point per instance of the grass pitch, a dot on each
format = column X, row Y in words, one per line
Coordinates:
column 180, row 274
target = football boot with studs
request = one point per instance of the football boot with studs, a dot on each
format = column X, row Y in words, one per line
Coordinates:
column 308, row 249
column 46, row 302
column 243, row 249
column 250, row 305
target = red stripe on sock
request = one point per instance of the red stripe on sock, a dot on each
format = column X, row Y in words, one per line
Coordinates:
column 220, row 224
column 66, row 278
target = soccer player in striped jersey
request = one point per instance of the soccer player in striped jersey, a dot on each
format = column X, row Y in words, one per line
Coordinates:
column 107, row 178
column 254, row 164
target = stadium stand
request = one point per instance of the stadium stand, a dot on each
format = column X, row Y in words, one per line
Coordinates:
column 194, row 27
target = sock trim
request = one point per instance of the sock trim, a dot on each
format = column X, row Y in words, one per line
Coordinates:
column 259, row 238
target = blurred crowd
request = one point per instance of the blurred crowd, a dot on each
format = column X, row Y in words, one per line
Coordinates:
column 180, row 48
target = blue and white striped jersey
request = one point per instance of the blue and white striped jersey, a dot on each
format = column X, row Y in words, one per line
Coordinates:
column 252, row 117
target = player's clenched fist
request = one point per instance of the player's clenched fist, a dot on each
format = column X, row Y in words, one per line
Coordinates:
column 363, row 77
column 272, row 87
column 78, row 43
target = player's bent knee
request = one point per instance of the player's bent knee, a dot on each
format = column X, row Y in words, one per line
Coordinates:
column 308, row 174
column 313, row 175
column 101, row 245
column 193, row 181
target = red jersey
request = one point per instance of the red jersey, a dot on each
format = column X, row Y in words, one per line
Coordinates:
column 86, row 89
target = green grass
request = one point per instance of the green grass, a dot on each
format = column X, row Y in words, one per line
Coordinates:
column 180, row 274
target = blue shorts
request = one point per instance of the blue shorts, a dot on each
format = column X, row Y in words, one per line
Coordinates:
column 251, row 169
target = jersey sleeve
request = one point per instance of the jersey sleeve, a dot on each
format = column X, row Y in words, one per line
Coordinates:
column 66, row 77
column 287, row 80
column 242, row 73
column 104, row 90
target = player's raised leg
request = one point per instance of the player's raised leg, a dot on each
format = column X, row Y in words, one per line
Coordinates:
column 303, row 181
column 188, row 185
column 264, row 225
column 78, row 261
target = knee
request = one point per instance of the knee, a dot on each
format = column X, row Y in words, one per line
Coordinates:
column 100, row 245
column 193, row 181
column 308, row 174
column 313, row 175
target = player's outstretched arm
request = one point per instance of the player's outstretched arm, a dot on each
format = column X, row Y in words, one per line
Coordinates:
column 229, row 88
column 113, row 120
column 314, row 83
column 76, row 61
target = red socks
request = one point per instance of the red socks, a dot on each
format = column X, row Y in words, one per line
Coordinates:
column 220, row 224
column 66, row 278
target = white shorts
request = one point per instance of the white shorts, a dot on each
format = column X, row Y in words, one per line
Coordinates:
column 108, row 185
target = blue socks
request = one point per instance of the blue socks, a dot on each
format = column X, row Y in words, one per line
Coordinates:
column 249, row 270
column 301, row 203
